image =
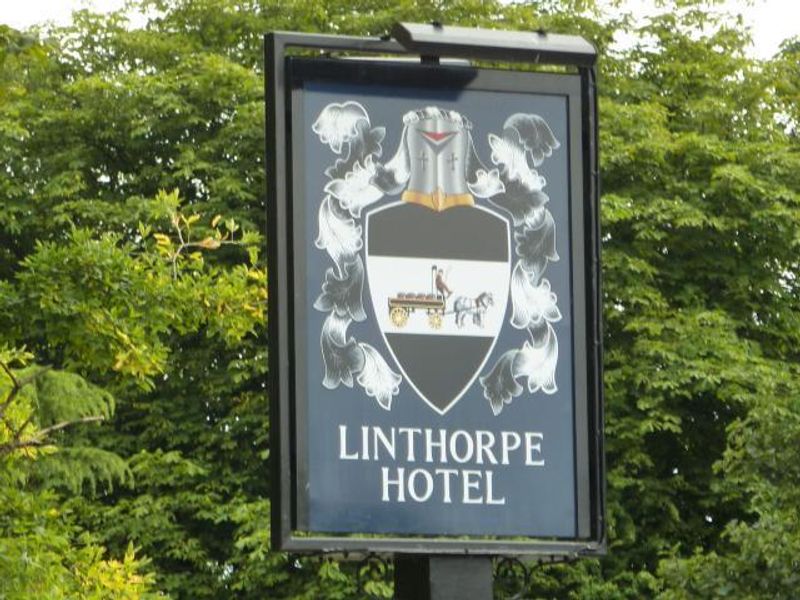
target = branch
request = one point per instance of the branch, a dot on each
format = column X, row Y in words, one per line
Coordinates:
column 202, row 245
column 177, row 225
column 186, row 243
column 38, row 438
column 11, row 446
column 64, row 424
column 17, row 385
column 18, row 432
column 10, row 374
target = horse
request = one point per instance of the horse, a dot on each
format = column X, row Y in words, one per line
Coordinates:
column 463, row 306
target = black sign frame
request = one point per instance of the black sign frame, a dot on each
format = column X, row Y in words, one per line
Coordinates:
column 288, row 438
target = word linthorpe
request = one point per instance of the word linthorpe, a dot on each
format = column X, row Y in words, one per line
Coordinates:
column 424, row 445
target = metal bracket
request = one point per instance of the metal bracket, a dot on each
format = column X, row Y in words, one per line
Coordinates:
column 511, row 46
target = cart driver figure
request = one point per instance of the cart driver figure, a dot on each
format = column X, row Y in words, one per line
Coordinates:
column 441, row 285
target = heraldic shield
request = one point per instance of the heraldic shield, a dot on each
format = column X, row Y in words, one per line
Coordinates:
column 438, row 265
column 439, row 287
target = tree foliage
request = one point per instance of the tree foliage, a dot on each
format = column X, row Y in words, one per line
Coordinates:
column 132, row 304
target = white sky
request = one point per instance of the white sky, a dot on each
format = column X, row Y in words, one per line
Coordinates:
column 772, row 20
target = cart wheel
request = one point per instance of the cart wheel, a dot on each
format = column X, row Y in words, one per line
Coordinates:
column 435, row 320
column 399, row 316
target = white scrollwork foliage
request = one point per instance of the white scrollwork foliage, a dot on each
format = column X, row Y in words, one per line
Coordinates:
column 377, row 379
column 346, row 129
column 526, row 141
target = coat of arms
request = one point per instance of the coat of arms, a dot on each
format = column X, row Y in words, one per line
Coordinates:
column 438, row 242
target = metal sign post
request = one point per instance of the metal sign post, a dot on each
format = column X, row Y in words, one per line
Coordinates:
column 433, row 577
column 435, row 347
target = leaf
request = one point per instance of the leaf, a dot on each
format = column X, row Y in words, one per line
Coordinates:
column 209, row 243
column 162, row 240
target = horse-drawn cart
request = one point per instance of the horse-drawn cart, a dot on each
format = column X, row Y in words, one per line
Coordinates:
column 402, row 305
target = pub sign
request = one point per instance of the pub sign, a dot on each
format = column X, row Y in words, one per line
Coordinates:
column 434, row 301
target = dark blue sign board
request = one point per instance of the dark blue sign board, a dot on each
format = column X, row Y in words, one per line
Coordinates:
column 434, row 305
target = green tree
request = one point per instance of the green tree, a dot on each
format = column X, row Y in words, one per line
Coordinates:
column 44, row 553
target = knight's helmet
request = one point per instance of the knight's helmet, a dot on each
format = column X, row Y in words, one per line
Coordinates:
column 436, row 159
column 438, row 142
